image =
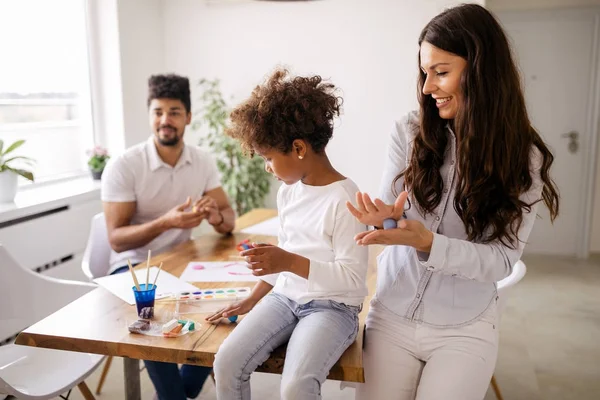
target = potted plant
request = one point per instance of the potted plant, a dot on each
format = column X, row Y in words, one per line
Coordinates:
column 244, row 179
column 98, row 159
column 9, row 172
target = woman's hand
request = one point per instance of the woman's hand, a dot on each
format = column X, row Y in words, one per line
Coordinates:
column 409, row 233
column 238, row 308
column 374, row 212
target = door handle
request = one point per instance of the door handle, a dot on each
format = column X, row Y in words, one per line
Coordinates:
column 573, row 137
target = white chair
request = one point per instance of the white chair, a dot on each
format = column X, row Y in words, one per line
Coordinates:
column 96, row 258
column 29, row 372
column 34, row 374
column 95, row 264
column 504, row 286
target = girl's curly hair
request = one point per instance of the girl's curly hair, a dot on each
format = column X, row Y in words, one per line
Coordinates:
column 284, row 109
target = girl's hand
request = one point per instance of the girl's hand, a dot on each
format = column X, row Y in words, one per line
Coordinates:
column 374, row 212
column 409, row 233
column 238, row 308
column 266, row 259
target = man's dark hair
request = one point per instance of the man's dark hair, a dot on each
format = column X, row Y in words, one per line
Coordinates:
column 170, row 86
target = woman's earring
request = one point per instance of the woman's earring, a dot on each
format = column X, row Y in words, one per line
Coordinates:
column 301, row 157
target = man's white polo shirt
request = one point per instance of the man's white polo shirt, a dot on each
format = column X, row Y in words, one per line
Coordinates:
column 140, row 175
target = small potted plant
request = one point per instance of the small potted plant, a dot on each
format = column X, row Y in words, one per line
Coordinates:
column 9, row 172
column 244, row 179
column 98, row 159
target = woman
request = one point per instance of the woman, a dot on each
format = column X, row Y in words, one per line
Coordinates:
column 468, row 171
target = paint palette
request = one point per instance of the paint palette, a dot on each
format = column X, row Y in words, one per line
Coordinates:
column 216, row 294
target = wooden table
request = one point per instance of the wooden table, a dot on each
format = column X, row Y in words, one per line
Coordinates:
column 97, row 322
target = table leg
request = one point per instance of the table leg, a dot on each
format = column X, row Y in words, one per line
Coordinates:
column 131, row 368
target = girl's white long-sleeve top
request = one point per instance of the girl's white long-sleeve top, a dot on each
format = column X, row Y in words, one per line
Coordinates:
column 316, row 224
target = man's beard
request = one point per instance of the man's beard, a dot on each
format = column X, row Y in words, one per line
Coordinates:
column 167, row 142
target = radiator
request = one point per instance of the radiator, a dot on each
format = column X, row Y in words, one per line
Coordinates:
column 52, row 241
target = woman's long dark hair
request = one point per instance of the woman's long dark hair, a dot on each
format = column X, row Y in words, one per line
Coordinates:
column 495, row 138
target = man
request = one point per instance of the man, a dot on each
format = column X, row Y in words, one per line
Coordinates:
column 153, row 195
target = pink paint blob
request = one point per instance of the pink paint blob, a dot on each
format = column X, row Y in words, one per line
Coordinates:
column 198, row 266
column 235, row 264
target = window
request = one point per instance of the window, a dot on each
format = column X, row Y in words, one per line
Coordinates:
column 44, row 84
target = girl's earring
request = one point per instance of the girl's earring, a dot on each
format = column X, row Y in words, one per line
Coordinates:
column 301, row 157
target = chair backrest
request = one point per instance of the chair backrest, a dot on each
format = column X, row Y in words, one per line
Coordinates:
column 504, row 286
column 28, row 297
column 96, row 258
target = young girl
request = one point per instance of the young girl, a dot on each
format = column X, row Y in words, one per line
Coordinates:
column 317, row 272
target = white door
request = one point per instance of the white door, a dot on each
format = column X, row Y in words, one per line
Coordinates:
column 555, row 52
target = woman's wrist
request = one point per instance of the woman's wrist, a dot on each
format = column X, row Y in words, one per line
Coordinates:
column 426, row 242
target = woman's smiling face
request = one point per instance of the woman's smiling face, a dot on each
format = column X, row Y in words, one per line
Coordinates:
column 443, row 72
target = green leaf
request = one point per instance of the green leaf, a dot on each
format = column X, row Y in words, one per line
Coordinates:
column 25, row 174
column 244, row 179
column 1, row 146
column 14, row 146
column 19, row 158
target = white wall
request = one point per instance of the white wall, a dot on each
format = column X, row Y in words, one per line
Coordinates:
column 126, row 47
column 367, row 48
column 142, row 54
column 505, row 5
column 515, row 5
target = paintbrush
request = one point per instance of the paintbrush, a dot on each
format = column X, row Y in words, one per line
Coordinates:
column 137, row 285
column 148, row 270
column 156, row 277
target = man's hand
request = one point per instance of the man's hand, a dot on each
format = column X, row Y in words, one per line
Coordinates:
column 210, row 209
column 179, row 218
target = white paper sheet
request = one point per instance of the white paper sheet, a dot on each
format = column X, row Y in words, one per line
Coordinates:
column 120, row 284
column 269, row 227
column 218, row 271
